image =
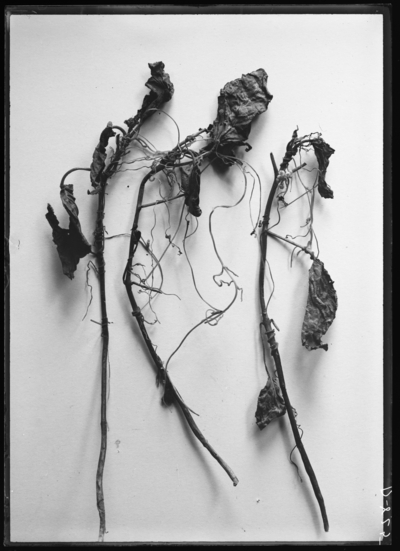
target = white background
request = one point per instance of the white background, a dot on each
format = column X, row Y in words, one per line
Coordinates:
column 70, row 75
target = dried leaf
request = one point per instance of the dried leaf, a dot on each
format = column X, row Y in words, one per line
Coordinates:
column 190, row 181
column 271, row 404
column 161, row 91
column 321, row 307
column 239, row 102
column 71, row 244
column 323, row 151
column 99, row 157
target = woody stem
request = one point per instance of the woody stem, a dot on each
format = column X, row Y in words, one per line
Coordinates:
column 162, row 374
column 273, row 345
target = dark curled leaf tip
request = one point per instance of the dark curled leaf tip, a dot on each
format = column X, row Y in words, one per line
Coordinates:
column 71, row 244
column 190, row 180
column 270, row 405
column 161, row 91
column 107, row 133
column 99, row 157
column 321, row 307
column 323, row 151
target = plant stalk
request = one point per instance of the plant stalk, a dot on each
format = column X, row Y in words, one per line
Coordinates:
column 273, row 345
column 162, row 374
column 100, row 261
column 99, row 252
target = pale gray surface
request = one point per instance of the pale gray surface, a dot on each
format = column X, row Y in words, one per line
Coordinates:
column 70, row 75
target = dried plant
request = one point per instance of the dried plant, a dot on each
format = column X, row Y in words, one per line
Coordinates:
column 181, row 168
column 273, row 401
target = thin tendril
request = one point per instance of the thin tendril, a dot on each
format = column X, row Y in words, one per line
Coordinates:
column 141, row 137
column 226, row 207
column 174, row 121
column 316, row 242
column 90, row 265
column 216, row 314
column 259, row 185
column 171, row 240
column 119, row 170
column 279, row 217
column 290, row 456
column 118, row 235
column 152, row 263
column 195, row 230
column 251, row 196
column 190, row 266
column 273, row 284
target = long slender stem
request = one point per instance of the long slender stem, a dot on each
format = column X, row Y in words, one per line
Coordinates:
column 162, row 374
column 270, row 333
column 99, row 254
column 99, row 244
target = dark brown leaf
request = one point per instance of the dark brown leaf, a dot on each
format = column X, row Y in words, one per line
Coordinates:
column 321, row 307
column 239, row 102
column 323, row 151
column 161, row 91
column 270, row 404
column 99, row 157
column 190, row 181
column 71, row 244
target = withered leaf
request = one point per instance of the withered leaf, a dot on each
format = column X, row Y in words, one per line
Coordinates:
column 99, row 157
column 323, row 151
column 72, row 245
column 321, row 307
column 270, row 405
column 190, row 181
column 239, row 102
column 161, row 91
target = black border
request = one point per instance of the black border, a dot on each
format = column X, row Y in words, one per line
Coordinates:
column 387, row 274
column 197, row 9
column 385, row 9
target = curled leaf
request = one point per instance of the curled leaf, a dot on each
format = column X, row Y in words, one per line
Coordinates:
column 72, row 245
column 190, row 180
column 270, row 404
column 321, row 307
column 239, row 102
column 99, row 157
column 323, row 151
column 161, row 91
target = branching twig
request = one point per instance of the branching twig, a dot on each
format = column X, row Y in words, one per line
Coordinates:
column 171, row 394
column 270, row 335
column 304, row 249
